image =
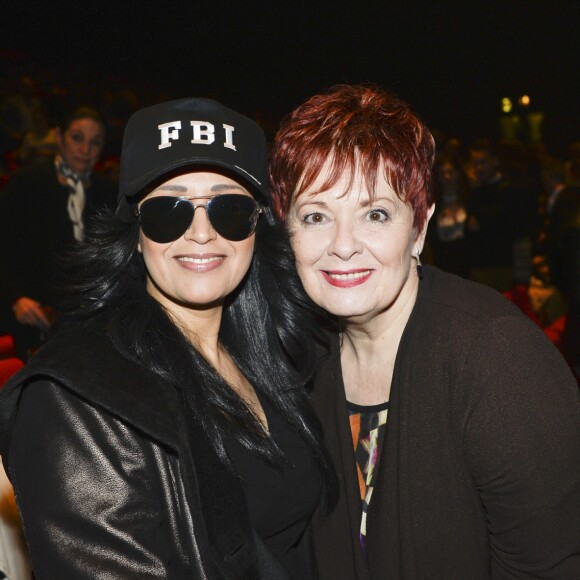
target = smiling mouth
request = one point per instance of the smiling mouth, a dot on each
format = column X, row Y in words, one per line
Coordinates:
column 346, row 279
column 199, row 260
column 201, row 264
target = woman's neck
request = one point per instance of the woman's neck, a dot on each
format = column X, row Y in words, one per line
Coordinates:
column 201, row 328
column 369, row 350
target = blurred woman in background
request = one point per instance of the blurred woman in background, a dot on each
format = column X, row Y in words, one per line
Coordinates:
column 43, row 210
column 446, row 237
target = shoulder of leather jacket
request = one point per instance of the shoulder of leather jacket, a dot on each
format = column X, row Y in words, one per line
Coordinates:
column 82, row 359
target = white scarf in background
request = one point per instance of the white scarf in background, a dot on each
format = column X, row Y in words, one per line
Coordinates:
column 76, row 198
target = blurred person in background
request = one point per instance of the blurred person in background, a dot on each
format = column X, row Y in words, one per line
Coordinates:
column 498, row 226
column 18, row 111
column 43, row 210
column 40, row 143
column 561, row 245
column 446, row 236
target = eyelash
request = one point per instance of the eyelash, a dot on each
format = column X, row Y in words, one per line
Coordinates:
column 384, row 213
column 307, row 219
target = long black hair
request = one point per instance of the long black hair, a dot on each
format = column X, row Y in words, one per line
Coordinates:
column 266, row 328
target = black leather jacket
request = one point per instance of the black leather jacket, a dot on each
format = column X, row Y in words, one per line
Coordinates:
column 104, row 476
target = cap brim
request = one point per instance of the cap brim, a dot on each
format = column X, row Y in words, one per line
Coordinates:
column 137, row 188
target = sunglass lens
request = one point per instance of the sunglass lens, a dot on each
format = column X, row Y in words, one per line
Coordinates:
column 233, row 216
column 164, row 219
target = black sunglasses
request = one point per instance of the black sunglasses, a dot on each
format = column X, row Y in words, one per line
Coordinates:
column 166, row 218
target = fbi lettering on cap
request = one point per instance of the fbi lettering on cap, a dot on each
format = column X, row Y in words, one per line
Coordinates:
column 203, row 133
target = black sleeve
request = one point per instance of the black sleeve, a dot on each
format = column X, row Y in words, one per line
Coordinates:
column 522, row 444
column 90, row 499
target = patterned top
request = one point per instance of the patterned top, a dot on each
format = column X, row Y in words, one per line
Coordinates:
column 368, row 426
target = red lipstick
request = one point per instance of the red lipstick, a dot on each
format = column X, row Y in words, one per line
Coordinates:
column 346, row 278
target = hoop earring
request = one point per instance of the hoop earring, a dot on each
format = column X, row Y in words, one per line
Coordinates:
column 419, row 267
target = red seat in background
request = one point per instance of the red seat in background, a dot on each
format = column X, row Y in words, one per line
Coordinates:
column 9, row 362
column 8, row 367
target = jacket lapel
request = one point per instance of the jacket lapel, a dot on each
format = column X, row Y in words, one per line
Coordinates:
column 336, row 536
column 144, row 401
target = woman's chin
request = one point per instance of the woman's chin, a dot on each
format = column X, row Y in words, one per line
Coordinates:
column 349, row 312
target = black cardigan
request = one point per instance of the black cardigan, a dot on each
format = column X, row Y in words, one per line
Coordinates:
column 480, row 471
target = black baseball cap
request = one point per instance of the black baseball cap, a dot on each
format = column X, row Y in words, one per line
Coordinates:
column 193, row 132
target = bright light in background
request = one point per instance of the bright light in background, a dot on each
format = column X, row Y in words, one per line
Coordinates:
column 506, row 105
column 524, row 100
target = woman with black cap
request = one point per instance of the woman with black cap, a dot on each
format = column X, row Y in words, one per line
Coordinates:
column 163, row 431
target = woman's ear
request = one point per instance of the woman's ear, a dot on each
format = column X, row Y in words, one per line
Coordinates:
column 430, row 213
column 421, row 235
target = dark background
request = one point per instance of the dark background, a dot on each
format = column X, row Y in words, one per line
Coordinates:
column 452, row 60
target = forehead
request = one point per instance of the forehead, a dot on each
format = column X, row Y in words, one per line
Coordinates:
column 88, row 126
column 348, row 181
column 194, row 181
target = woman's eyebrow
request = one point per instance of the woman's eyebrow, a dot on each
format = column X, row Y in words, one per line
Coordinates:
column 172, row 187
column 222, row 186
column 175, row 188
column 381, row 199
column 313, row 202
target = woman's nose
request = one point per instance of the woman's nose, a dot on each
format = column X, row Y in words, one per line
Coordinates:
column 344, row 243
column 85, row 147
column 200, row 230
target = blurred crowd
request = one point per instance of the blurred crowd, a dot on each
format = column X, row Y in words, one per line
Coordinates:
column 508, row 215
column 507, row 212
column 31, row 108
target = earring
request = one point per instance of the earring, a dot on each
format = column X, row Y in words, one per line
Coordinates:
column 419, row 267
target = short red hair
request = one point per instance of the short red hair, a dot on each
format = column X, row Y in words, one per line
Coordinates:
column 353, row 127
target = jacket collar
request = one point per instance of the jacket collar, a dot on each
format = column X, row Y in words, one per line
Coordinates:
column 96, row 371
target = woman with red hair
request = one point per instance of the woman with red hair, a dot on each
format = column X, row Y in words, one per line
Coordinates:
column 453, row 422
